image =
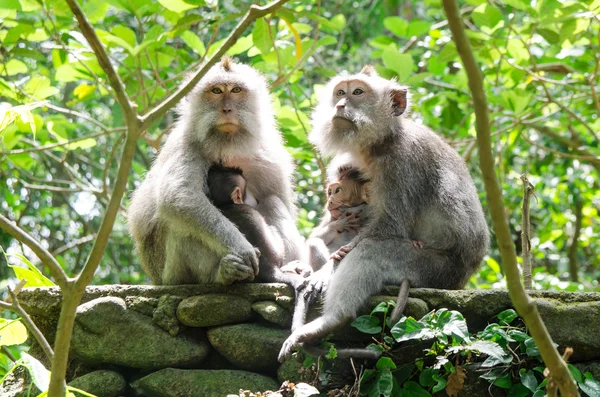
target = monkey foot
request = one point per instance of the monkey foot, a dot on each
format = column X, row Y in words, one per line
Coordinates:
column 233, row 268
column 288, row 348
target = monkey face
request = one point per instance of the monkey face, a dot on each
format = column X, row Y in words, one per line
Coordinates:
column 228, row 102
column 356, row 112
column 345, row 193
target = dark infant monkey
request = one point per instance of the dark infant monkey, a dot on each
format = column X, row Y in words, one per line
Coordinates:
column 227, row 191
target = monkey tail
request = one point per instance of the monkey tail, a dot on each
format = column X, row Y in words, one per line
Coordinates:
column 400, row 301
column 359, row 353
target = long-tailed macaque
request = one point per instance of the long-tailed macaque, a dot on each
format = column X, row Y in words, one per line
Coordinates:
column 227, row 191
column 420, row 190
column 182, row 238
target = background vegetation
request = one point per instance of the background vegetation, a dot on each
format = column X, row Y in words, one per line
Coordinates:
column 62, row 132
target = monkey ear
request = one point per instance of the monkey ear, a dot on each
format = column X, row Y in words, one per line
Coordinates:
column 237, row 196
column 399, row 101
column 369, row 70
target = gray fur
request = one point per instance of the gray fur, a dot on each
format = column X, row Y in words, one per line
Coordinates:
column 420, row 190
column 181, row 236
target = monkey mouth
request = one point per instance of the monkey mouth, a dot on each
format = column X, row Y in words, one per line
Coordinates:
column 228, row 127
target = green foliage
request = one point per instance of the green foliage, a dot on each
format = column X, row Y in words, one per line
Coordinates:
column 538, row 63
column 507, row 353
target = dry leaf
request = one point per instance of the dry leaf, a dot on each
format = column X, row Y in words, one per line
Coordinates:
column 456, row 381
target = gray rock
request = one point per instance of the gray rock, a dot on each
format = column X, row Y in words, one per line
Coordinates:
column 18, row 384
column 106, row 332
column 273, row 313
column 416, row 308
column 165, row 315
column 591, row 366
column 45, row 301
column 171, row 382
column 102, row 383
column 213, row 309
column 249, row 346
column 142, row 304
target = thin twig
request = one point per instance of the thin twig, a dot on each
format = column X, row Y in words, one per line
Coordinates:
column 526, row 233
column 47, row 259
column 15, row 306
column 73, row 244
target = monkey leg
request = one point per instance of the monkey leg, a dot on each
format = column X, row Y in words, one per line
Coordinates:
column 189, row 261
column 363, row 273
column 277, row 215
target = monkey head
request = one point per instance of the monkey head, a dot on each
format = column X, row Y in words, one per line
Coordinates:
column 226, row 185
column 357, row 111
column 229, row 111
column 350, row 190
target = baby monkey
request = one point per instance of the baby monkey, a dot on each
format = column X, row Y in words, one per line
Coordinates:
column 227, row 191
column 347, row 199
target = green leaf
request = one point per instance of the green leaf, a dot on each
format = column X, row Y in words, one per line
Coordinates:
column 518, row 4
column 518, row 390
column 496, row 353
column 507, row 316
column 396, row 25
column 576, row 373
column 488, row 18
column 413, row 389
column 503, row 382
column 382, row 307
column 95, row 10
column 39, row 374
column 417, row 28
column 338, row 22
column 528, row 379
column 385, row 362
column 39, row 87
column 34, row 277
column 426, row 377
column 590, row 386
column 83, row 144
column 261, row 37
column 126, row 34
column 410, row 329
column 13, row 67
column 12, row 332
column 10, row 5
column 367, row 324
column 440, row 385
column 194, row 42
column 448, row 53
column 517, row 335
column 531, row 348
column 517, row 50
column 402, row 64
column 177, row 6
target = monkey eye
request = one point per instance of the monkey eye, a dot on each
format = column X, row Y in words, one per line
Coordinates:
column 339, row 189
column 216, row 90
column 357, row 91
column 340, row 92
column 236, row 90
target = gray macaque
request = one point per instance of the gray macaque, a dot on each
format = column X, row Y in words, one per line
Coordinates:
column 227, row 191
column 182, row 238
column 420, row 190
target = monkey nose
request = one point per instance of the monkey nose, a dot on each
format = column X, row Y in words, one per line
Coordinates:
column 227, row 110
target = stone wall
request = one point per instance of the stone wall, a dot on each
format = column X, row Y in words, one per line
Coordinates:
column 208, row 340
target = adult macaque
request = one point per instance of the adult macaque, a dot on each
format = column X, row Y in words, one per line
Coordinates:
column 420, row 190
column 181, row 236
column 227, row 191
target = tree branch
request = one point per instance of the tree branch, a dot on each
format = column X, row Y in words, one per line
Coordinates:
column 525, row 307
column 572, row 253
column 254, row 12
column 113, row 77
column 47, row 259
column 35, row 331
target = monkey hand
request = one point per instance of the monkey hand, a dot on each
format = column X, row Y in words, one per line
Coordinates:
column 316, row 283
column 292, row 342
column 239, row 265
column 297, row 267
column 342, row 252
column 348, row 222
